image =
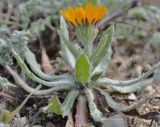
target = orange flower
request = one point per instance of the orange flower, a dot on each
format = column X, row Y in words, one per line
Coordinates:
column 88, row 15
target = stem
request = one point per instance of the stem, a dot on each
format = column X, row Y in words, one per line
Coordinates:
column 81, row 117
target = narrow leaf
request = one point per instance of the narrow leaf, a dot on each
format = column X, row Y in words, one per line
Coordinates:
column 64, row 35
column 120, row 107
column 102, row 66
column 68, row 102
column 103, row 46
column 133, row 87
column 96, row 114
column 55, row 106
column 10, row 115
column 82, row 70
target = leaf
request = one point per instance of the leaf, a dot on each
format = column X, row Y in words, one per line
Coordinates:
column 96, row 114
column 5, row 52
column 133, row 87
column 82, row 69
column 74, row 50
column 10, row 115
column 4, row 31
column 67, row 54
column 4, row 84
column 102, row 66
column 55, row 106
column 68, row 102
column 120, row 107
column 103, row 46
column 18, row 41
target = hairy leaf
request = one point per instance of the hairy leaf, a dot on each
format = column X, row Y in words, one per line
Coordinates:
column 5, row 52
column 103, row 47
column 4, row 84
column 82, row 69
column 67, row 54
column 68, row 102
column 102, row 67
column 18, row 41
column 96, row 114
column 10, row 115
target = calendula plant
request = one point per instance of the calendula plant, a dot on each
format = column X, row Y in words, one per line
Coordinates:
column 87, row 66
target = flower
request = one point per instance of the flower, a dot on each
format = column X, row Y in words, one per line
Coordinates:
column 88, row 15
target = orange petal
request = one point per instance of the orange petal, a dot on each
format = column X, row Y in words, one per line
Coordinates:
column 101, row 13
column 66, row 15
column 89, row 10
column 80, row 14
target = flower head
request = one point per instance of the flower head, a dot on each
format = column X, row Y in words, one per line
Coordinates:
column 88, row 15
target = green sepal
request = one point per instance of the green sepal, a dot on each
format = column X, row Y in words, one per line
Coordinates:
column 87, row 34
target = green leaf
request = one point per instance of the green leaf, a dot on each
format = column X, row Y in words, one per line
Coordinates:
column 96, row 76
column 103, row 46
column 5, row 52
column 5, row 115
column 18, row 41
column 4, row 84
column 96, row 114
column 8, row 116
column 102, row 66
column 69, row 45
column 67, row 54
column 82, row 69
column 68, row 102
column 55, row 106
